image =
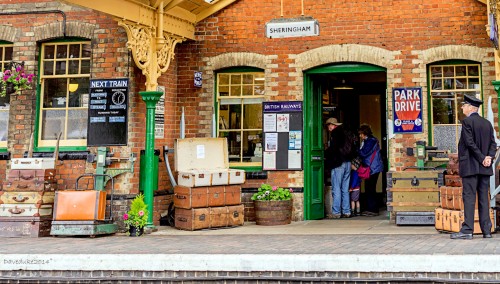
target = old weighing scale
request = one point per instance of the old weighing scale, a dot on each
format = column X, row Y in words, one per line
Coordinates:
column 413, row 194
column 83, row 212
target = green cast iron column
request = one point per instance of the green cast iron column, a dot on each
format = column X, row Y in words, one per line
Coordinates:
column 150, row 98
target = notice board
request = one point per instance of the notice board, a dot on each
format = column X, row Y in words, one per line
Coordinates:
column 283, row 135
column 108, row 112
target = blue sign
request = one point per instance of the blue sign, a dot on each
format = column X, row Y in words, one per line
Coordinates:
column 288, row 106
column 407, row 110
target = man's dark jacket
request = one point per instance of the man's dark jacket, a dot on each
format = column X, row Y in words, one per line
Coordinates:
column 341, row 149
column 476, row 142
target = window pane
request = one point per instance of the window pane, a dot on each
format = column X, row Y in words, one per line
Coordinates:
column 235, row 79
column 77, row 124
column 235, row 117
column 53, row 124
column 449, row 84
column 85, row 67
column 86, row 50
column 461, row 83
column 49, row 52
column 252, row 116
column 60, row 67
column 48, row 68
column 473, row 70
column 247, row 90
column 223, row 90
column 224, row 79
column 447, row 137
column 74, row 67
column 473, row 83
column 74, row 51
column 8, row 53
column 236, row 90
column 443, row 109
column 252, row 146
column 78, row 97
column 437, row 84
column 234, row 145
column 55, row 93
column 62, row 51
column 437, row 71
column 4, row 120
column 461, row 71
column 247, row 78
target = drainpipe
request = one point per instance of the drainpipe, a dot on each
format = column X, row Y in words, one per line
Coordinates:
column 39, row 12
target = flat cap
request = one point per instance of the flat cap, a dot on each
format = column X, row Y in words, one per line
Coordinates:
column 333, row 120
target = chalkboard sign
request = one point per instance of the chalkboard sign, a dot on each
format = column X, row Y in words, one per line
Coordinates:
column 108, row 108
column 282, row 127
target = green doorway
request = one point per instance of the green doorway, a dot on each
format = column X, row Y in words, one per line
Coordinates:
column 354, row 93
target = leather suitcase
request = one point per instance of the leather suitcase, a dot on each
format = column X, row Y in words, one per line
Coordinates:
column 220, row 177
column 452, row 180
column 27, row 197
column 452, row 166
column 30, row 185
column 80, row 205
column 32, row 163
column 219, row 217
column 236, row 176
column 445, row 198
column 438, row 219
column 48, row 175
column 25, row 210
column 209, row 196
column 190, row 197
column 457, row 218
column 232, row 195
column 12, row 227
column 192, row 219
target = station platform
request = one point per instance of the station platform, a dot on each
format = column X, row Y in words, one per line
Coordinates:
column 354, row 250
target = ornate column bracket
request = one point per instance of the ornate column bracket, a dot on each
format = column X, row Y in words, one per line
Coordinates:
column 152, row 55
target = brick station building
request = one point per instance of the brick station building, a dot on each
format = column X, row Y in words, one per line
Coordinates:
column 438, row 50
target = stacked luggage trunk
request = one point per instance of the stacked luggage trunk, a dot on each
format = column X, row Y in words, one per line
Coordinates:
column 413, row 195
column 450, row 216
column 208, row 194
column 27, row 198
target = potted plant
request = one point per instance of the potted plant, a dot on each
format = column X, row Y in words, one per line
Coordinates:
column 137, row 217
column 15, row 79
column 273, row 205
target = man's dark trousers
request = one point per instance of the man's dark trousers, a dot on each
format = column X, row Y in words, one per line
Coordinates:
column 471, row 184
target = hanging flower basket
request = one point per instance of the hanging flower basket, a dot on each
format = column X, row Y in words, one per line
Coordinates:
column 14, row 79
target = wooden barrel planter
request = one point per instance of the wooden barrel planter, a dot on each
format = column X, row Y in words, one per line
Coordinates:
column 269, row 213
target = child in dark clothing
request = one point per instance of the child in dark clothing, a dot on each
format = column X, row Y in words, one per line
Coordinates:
column 354, row 189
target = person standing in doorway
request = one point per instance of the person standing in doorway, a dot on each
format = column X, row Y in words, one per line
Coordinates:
column 369, row 153
column 338, row 158
column 476, row 149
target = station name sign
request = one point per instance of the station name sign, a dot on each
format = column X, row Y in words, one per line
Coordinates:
column 281, row 28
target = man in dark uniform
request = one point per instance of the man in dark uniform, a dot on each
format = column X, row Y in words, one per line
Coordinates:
column 476, row 150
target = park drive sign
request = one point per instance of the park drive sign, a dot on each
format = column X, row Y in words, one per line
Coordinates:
column 279, row 28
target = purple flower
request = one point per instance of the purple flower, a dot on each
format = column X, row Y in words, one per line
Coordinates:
column 291, row 190
column 275, row 187
column 125, row 216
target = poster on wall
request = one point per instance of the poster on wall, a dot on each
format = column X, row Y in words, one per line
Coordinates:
column 407, row 110
column 160, row 114
column 282, row 127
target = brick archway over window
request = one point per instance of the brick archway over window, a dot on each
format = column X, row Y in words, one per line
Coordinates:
column 73, row 29
column 8, row 33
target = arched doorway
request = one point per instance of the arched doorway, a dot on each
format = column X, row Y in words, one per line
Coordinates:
column 354, row 93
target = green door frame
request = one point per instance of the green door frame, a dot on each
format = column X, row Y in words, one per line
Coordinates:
column 313, row 144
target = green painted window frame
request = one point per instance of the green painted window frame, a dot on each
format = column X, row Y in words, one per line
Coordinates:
column 240, row 69
column 3, row 62
column 37, row 130
column 455, row 62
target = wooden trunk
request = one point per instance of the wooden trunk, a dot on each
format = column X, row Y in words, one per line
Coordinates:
column 25, row 210
column 78, row 205
column 210, row 196
column 236, row 216
column 452, row 167
column 452, row 180
column 457, row 218
column 25, row 226
column 415, row 179
column 270, row 213
column 27, row 197
column 411, row 200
